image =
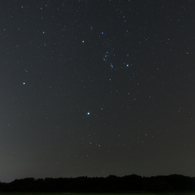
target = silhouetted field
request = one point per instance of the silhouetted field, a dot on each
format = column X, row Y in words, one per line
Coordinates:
column 131, row 184
column 30, row 193
column 36, row 193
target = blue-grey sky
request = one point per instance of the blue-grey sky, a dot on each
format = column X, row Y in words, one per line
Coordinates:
column 96, row 87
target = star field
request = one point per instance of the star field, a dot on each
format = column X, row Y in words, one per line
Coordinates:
column 92, row 87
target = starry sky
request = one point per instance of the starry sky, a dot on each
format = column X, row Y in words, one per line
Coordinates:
column 96, row 87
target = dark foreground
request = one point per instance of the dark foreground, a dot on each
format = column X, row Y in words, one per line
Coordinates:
column 57, row 193
column 173, row 184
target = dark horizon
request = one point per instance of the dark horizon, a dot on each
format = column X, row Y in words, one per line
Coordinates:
column 112, row 183
column 104, row 177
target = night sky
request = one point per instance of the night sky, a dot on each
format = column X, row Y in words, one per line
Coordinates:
column 97, row 87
